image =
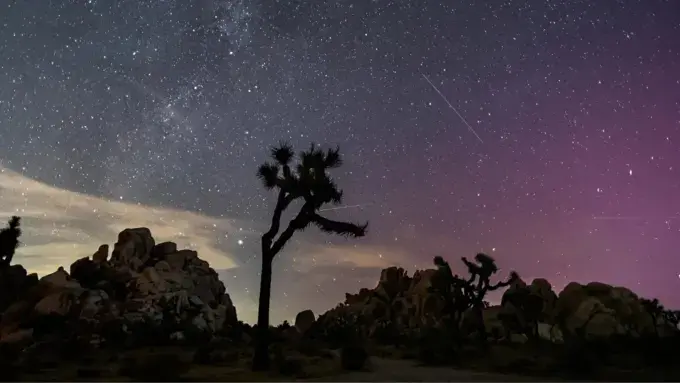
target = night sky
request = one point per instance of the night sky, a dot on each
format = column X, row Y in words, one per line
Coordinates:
column 546, row 133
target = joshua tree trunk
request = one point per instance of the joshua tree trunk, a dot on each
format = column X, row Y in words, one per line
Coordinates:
column 310, row 183
column 261, row 357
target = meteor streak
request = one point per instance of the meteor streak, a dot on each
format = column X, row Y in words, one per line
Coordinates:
column 452, row 107
column 345, row 207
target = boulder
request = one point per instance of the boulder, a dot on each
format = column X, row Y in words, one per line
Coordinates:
column 149, row 282
column 92, row 303
column 569, row 299
column 593, row 320
column 14, row 316
column 58, row 303
column 178, row 260
column 543, row 289
column 549, row 332
column 163, row 267
column 101, row 255
column 163, row 249
column 19, row 337
column 58, row 280
column 304, row 321
column 133, row 248
column 393, row 281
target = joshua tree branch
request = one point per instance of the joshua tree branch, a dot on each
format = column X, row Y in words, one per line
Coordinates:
column 282, row 203
column 300, row 221
column 512, row 278
column 337, row 227
column 282, row 240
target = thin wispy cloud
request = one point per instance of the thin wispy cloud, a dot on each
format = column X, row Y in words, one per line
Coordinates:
column 61, row 226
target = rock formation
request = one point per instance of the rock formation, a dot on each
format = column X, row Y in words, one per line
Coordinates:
column 142, row 288
column 595, row 310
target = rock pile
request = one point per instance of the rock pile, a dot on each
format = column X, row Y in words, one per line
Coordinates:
column 142, row 288
column 595, row 310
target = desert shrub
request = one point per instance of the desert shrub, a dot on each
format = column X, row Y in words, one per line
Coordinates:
column 73, row 348
column 649, row 350
column 353, row 357
column 436, row 347
column 286, row 364
column 113, row 333
column 341, row 329
column 387, row 333
column 45, row 325
column 216, row 353
column 521, row 365
column 89, row 373
column 239, row 332
column 284, row 326
column 577, row 360
column 9, row 371
column 154, row 367
column 292, row 367
column 310, row 347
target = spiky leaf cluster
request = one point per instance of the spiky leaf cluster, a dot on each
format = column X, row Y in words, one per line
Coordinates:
column 309, row 181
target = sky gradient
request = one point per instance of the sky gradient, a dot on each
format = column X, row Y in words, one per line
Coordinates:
column 561, row 158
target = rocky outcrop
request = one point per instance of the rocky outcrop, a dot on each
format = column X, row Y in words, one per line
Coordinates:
column 398, row 298
column 141, row 288
column 594, row 310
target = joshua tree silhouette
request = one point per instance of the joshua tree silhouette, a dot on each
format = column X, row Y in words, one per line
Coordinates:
column 308, row 181
column 9, row 241
column 460, row 294
column 655, row 310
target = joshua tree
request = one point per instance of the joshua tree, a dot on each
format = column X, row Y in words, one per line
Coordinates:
column 460, row 294
column 655, row 310
column 309, row 182
column 9, row 241
column 672, row 317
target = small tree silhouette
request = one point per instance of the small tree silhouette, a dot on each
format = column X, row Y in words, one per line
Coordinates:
column 309, row 182
column 9, row 241
column 460, row 294
column 655, row 310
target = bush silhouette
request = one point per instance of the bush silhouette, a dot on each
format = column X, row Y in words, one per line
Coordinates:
column 9, row 241
column 353, row 357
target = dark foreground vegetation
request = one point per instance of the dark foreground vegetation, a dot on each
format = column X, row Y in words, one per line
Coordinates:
column 150, row 311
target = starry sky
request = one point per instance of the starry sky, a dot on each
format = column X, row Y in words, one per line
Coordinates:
column 546, row 133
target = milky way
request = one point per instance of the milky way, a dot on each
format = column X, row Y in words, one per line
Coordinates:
column 162, row 110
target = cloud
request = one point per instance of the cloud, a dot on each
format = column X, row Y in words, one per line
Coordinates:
column 61, row 226
column 351, row 255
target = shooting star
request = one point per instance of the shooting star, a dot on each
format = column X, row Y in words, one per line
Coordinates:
column 346, row 207
column 452, row 107
column 627, row 218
